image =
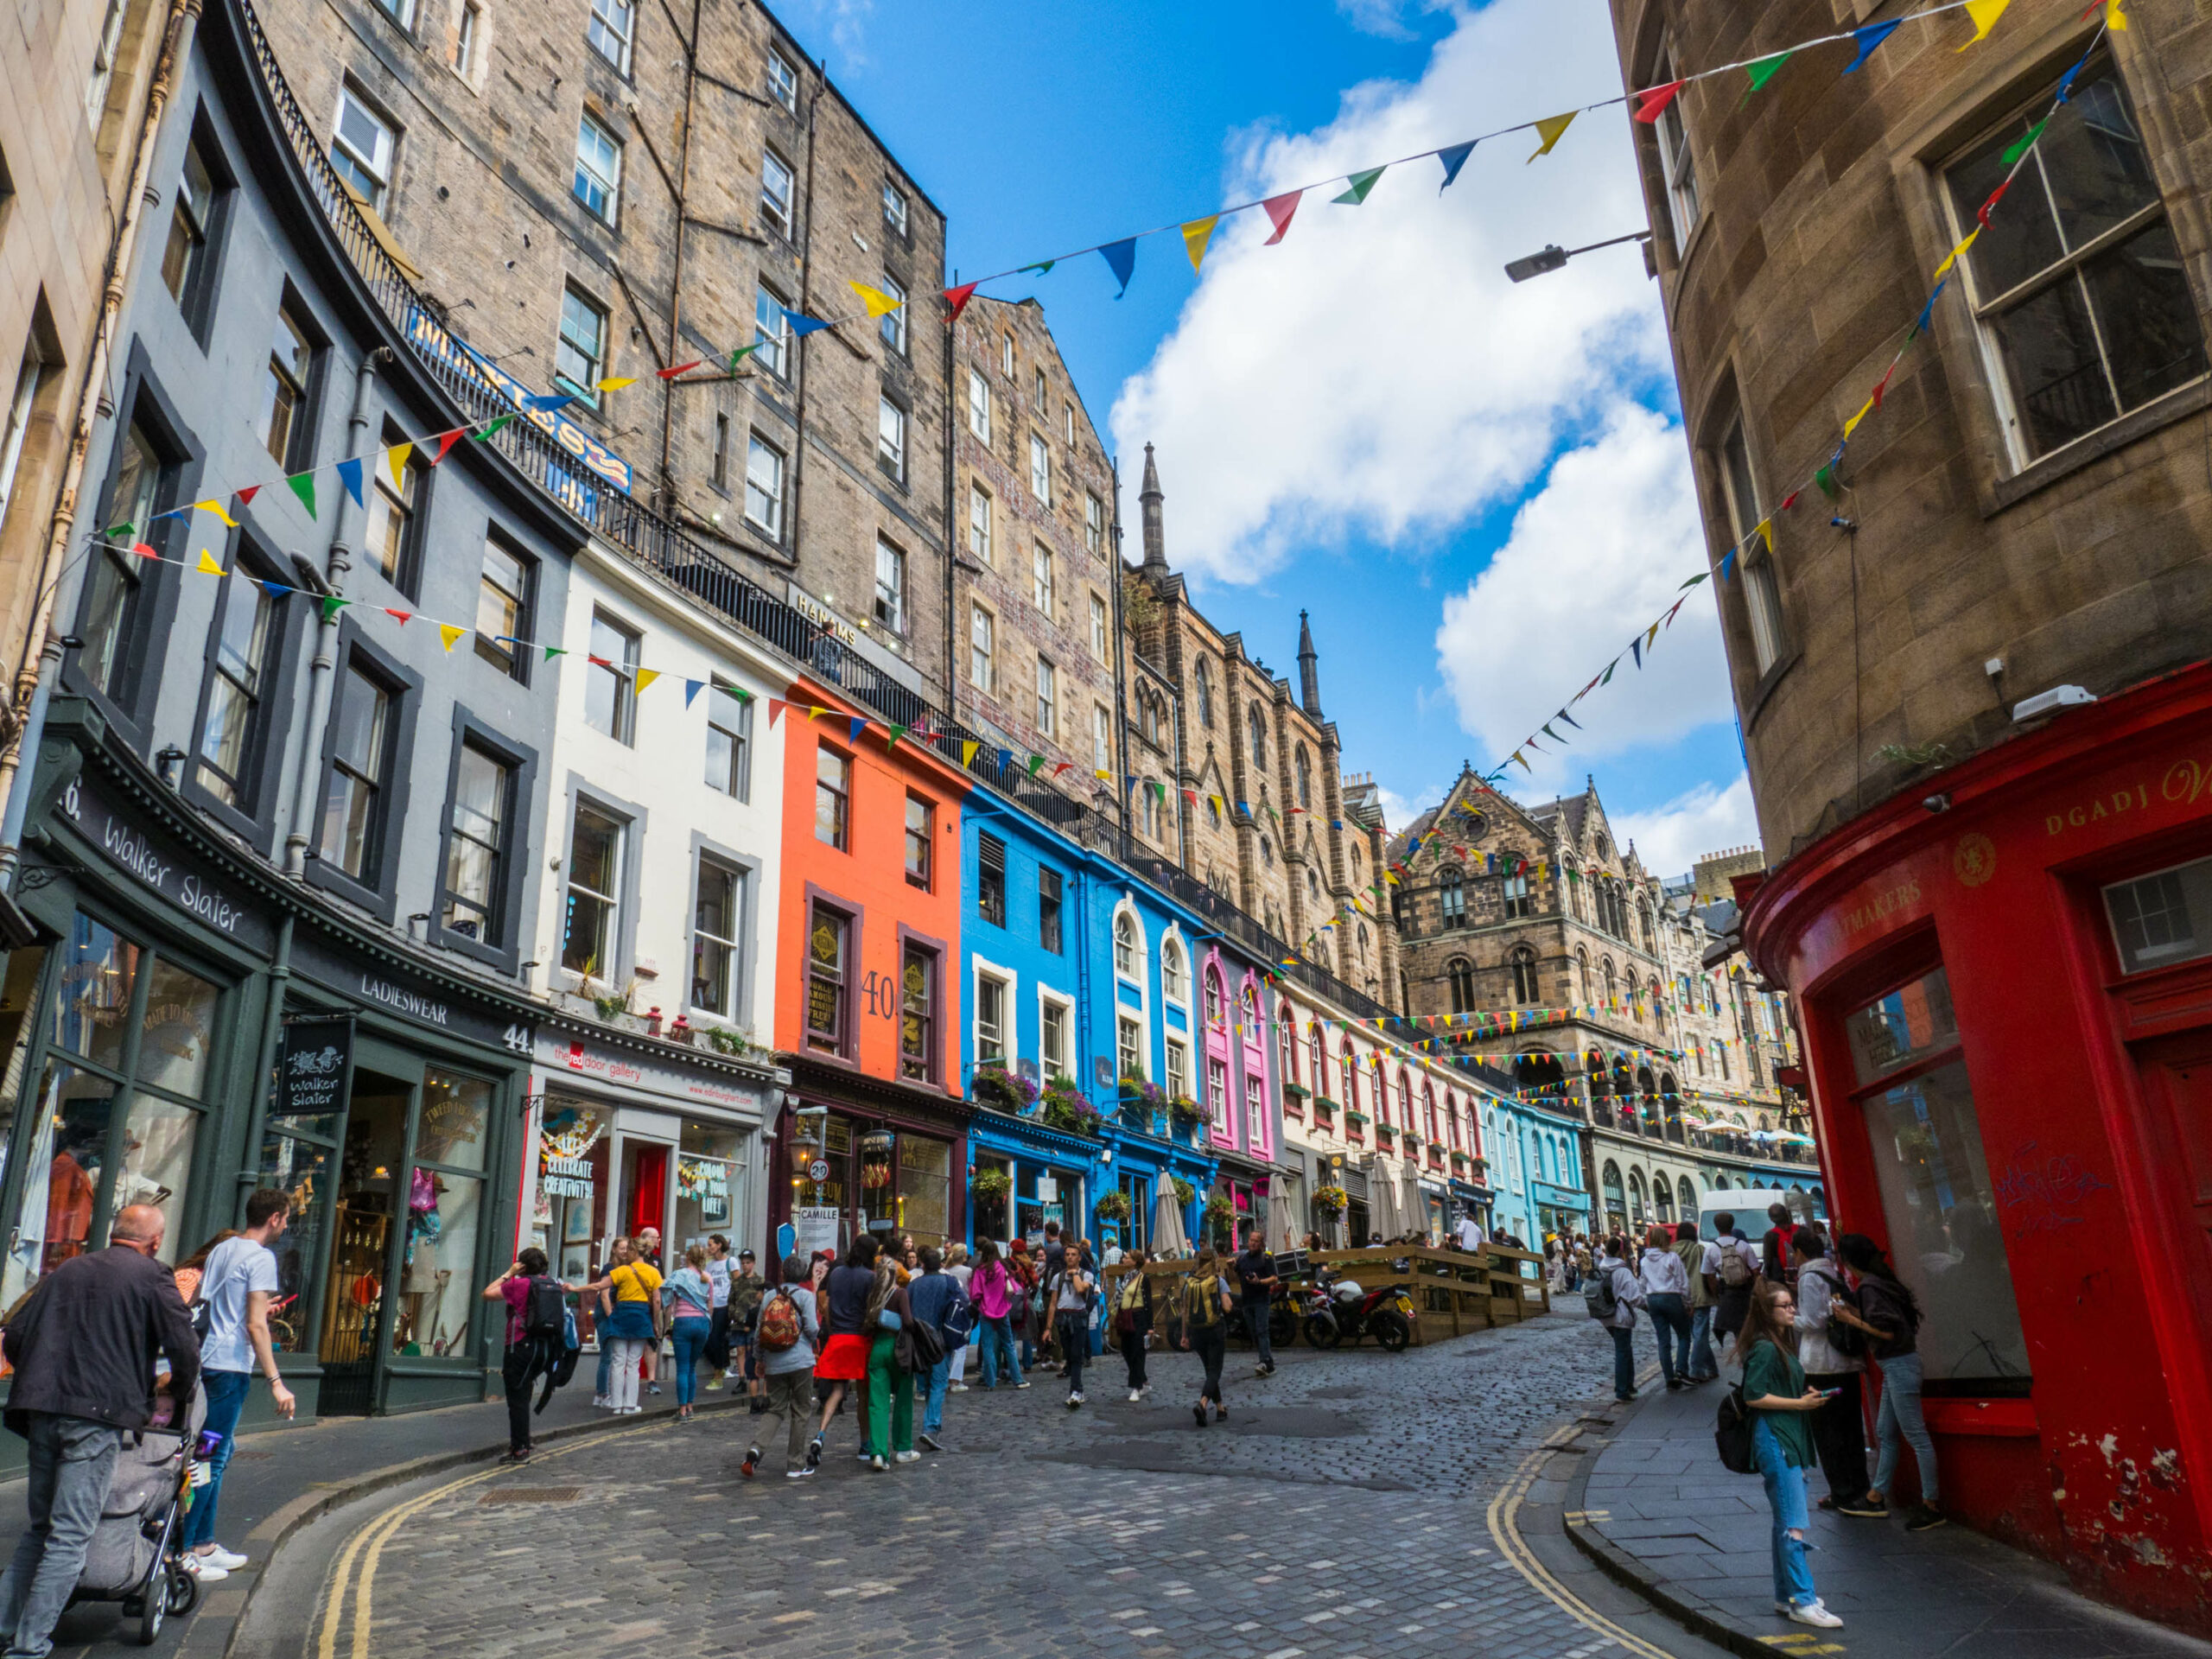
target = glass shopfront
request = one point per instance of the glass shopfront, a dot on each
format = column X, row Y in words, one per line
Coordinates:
column 851, row 1175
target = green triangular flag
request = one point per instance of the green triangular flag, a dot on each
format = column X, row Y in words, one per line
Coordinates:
column 1765, row 70
column 2023, row 144
column 303, row 487
column 897, row 732
column 113, row 530
column 743, row 352
column 1041, row 269
column 551, row 651
column 1826, row 479
column 741, row 695
column 1035, row 761
column 1361, row 184
column 1610, row 667
column 483, row 432
column 332, row 604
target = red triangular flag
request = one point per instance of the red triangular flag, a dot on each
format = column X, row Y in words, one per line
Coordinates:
column 957, row 298
column 671, row 373
column 1882, row 385
column 446, row 440
column 1280, row 208
column 1995, row 196
column 1651, row 102
column 775, row 709
column 143, row 551
column 1790, row 500
column 246, row 495
column 598, row 661
column 404, row 616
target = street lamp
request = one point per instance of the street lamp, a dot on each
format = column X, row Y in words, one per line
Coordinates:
column 1553, row 256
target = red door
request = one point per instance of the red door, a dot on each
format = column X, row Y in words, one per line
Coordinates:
column 2176, row 1073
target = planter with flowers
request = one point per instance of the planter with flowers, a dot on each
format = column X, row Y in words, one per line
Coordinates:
column 1002, row 1091
column 1355, row 1124
column 1331, row 1201
column 1220, row 1217
column 1385, row 1136
column 1143, row 1104
column 1064, row 1109
column 1112, row 1206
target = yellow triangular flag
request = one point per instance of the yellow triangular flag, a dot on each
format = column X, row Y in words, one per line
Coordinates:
column 1766, row 533
column 2114, row 17
column 448, row 632
column 1195, row 234
column 207, row 567
column 216, row 507
column 1865, row 409
column 617, row 383
column 879, row 303
column 1550, row 130
column 1952, row 257
column 647, row 676
column 968, row 748
column 1985, row 14
column 396, row 458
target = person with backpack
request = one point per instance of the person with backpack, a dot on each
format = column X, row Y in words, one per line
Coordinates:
column 1779, row 1399
column 1069, row 1293
column 1610, row 1295
column 1832, row 1354
column 236, row 1288
column 783, row 1339
column 1735, row 1264
column 1889, row 1313
column 997, row 1291
column 938, row 1303
column 689, row 1299
column 956, row 1264
column 1666, row 1284
column 537, row 1326
column 1133, row 1319
column 1205, row 1309
column 1024, row 1318
column 1704, row 1294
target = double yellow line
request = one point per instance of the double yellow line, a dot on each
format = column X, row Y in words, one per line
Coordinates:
column 366, row 1546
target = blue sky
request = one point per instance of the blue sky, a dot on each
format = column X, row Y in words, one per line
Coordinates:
column 1479, row 491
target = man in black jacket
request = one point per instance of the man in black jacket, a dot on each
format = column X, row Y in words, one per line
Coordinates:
column 83, row 1350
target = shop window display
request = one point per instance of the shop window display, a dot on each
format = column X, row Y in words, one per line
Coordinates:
column 572, row 1159
column 437, row 1282
column 708, row 1176
column 924, row 1188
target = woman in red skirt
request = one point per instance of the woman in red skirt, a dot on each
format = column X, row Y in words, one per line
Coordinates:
column 845, row 1353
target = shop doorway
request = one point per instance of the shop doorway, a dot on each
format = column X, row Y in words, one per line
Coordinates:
column 2176, row 1075
column 646, row 1166
column 356, row 1301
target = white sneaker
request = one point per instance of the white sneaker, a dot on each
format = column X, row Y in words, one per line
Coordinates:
column 229, row 1560
column 203, row 1569
column 1135, row 1395
column 1812, row 1613
column 958, row 1387
column 601, row 1401
column 908, row 1456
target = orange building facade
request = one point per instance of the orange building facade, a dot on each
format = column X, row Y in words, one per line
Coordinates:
column 873, row 1135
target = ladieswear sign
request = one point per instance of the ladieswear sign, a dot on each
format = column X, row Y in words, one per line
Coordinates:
column 593, row 455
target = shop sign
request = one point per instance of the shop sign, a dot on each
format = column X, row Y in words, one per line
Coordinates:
column 156, row 862
column 605, row 1066
column 557, row 1049
column 409, row 1001
column 814, row 1228
column 311, row 1072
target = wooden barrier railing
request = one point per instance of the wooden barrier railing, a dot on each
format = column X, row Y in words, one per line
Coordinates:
column 1453, row 1292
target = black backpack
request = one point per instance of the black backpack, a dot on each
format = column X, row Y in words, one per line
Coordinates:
column 1732, row 1432
column 544, row 1311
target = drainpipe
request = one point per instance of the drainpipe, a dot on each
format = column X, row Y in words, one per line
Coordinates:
column 272, row 1030
column 799, row 347
column 326, row 646
column 666, row 491
column 35, row 675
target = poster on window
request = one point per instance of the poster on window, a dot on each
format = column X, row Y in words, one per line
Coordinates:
column 817, row 1227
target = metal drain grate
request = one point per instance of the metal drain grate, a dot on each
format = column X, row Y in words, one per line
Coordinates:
column 532, row 1495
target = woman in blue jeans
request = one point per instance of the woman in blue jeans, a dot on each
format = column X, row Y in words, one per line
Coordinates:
column 1782, row 1443
column 1891, row 1321
column 690, row 1301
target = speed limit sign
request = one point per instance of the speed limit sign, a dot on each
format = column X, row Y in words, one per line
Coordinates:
column 818, row 1170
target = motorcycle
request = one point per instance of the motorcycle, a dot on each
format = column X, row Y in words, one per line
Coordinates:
column 1343, row 1307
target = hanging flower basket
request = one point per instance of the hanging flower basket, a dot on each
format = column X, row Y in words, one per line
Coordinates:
column 1185, row 1111
column 1003, row 1090
column 991, row 1186
column 1219, row 1214
column 1112, row 1206
column 1296, row 1091
column 1184, row 1190
column 1331, row 1201
column 1067, row 1110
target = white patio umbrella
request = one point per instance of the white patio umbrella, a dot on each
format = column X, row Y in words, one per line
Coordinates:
column 1279, row 1233
column 1168, row 1237
column 1382, row 1206
column 1413, row 1201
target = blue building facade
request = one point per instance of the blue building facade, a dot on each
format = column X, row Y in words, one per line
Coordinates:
column 1062, row 962
column 1536, row 1169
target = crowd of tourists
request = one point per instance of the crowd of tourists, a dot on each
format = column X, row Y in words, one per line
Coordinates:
column 1811, row 1320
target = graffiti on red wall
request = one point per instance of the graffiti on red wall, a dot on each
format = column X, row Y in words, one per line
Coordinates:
column 2041, row 1195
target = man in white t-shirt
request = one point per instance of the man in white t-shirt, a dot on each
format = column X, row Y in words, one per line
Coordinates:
column 1469, row 1231
column 718, row 1266
column 236, row 1284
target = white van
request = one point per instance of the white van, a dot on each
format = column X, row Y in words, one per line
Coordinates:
column 1749, row 1205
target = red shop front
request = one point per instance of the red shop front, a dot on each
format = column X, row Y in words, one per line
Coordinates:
column 2005, row 980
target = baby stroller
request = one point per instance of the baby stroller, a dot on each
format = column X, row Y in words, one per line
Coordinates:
column 135, row 1556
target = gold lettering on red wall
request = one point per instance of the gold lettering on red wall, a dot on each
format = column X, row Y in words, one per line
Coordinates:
column 2184, row 780
column 1859, row 918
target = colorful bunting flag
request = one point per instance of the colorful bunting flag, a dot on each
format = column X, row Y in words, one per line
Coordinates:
column 1042, row 267
column 490, row 429
column 615, row 383
column 551, row 651
column 1196, row 235
column 332, row 604
column 1952, row 257
column 957, row 298
column 303, row 487
column 207, row 567
column 1362, row 183
column 1551, row 129
column 403, row 617
column 1867, row 38
column 891, row 742
column 1652, row 103
column 853, row 726
column 1764, row 70
column 1454, row 157
column 1984, row 14
column 879, row 303
column 675, row 369
column 968, row 748
column 447, row 632
column 803, row 326
column 692, row 688
column 1279, row 210
column 1120, row 258
column 546, row 402
column 446, row 440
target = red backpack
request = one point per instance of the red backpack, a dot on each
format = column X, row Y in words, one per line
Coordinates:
column 779, row 1323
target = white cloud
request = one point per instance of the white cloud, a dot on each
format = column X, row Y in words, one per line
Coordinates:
column 1595, row 557
column 1377, row 373
column 1399, row 810
column 1671, row 838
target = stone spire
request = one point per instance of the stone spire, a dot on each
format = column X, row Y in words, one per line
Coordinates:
column 1155, row 539
column 1309, row 669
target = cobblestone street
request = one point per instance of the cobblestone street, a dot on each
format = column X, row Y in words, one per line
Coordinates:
column 1344, row 1508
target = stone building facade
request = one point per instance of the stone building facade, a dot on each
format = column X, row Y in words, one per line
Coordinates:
column 1036, row 636
column 643, row 188
column 1239, row 781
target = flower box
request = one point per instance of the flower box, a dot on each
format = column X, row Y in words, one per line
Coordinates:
column 1002, row 1091
column 1295, row 1091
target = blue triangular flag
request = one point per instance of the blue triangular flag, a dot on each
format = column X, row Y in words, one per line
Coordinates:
column 1006, row 759
column 350, row 472
column 1454, row 157
column 1121, row 259
column 1569, row 719
column 692, row 688
column 275, row 589
column 1929, row 310
column 856, row 724
column 1636, row 647
column 801, row 325
column 1868, row 38
column 2066, row 80
column 548, row 400
column 1727, row 559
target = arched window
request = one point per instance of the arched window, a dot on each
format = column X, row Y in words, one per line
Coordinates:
column 1205, row 694
column 1286, row 1039
column 1576, row 896
column 1382, row 1088
column 1581, row 976
column 1267, row 852
column 1636, row 1203
column 1688, row 1194
column 1662, row 1198
column 1305, row 769
column 1632, row 988
column 1362, row 935
column 1255, row 722
column 1462, row 974
column 1428, row 1111
column 1405, row 1101
column 1213, row 996
column 1351, row 1077
column 1175, row 970
column 1644, row 921
column 1127, row 948
column 1452, row 896
column 1151, row 715
column 1525, row 987
column 1720, row 1048
column 1610, row 1183
column 1151, row 810
column 1612, row 986
column 1452, row 1117
column 1249, row 1004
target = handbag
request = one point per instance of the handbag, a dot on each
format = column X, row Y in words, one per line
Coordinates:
column 917, row 1348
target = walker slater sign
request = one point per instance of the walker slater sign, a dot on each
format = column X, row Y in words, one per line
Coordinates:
column 311, row 1077
column 156, row 862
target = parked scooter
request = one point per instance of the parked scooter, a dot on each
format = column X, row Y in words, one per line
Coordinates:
column 1340, row 1308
